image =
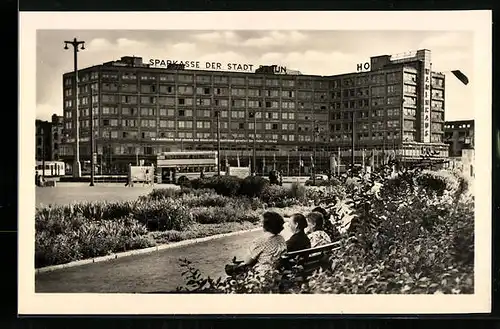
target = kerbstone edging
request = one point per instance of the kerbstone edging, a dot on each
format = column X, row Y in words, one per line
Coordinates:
column 142, row 251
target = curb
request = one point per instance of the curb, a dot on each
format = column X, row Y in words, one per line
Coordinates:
column 142, row 251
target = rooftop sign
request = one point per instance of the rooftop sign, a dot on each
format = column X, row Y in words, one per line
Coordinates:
column 217, row 66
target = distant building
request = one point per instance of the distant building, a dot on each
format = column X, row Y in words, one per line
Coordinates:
column 43, row 144
column 49, row 136
column 459, row 135
column 396, row 109
column 57, row 127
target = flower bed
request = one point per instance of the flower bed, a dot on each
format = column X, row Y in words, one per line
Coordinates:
column 87, row 230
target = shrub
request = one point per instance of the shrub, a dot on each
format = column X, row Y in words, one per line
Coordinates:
column 183, row 181
column 252, row 186
column 215, row 215
column 76, row 237
column 298, row 191
column 224, row 185
column 276, row 196
column 206, row 199
column 162, row 215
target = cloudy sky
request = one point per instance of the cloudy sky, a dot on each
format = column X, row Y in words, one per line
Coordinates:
column 311, row 52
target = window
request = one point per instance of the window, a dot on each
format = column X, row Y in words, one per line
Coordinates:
column 109, row 110
column 131, row 88
column 288, row 83
column 148, row 111
column 167, row 89
column 376, row 102
column 203, row 91
column 288, row 105
column 203, row 101
column 185, row 90
column 203, row 113
column 409, row 112
column 148, row 123
column 185, row 78
column 393, row 100
column 437, row 104
column 254, row 81
column 203, row 78
column 110, row 87
column 220, row 80
column 129, row 76
column 238, row 103
column 167, row 77
column 272, row 82
column 238, row 92
column 393, row 89
column 409, row 101
column 377, row 91
column 237, row 81
column 409, row 77
column 410, row 89
column 129, row 99
column 108, row 98
column 437, row 94
column 148, row 100
column 185, row 101
column 393, row 77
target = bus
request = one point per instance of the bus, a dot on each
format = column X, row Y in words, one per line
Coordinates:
column 185, row 163
column 52, row 168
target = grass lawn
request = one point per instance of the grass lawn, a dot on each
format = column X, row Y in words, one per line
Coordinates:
column 66, row 193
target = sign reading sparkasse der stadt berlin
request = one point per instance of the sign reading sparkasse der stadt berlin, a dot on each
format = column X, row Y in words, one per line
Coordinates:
column 198, row 65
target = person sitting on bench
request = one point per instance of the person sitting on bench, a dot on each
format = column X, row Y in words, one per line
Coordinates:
column 299, row 239
column 265, row 253
column 314, row 230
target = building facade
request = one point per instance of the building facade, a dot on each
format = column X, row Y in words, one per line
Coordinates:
column 49, row 136
column 459, row 135
column 396, row 109
column 43, row 143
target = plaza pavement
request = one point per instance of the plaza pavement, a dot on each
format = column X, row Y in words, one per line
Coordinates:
column 158, row 271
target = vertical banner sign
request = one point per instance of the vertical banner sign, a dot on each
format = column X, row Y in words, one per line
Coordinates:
column 426, row 84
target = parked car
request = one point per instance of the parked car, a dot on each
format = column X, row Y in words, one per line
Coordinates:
column 320, row 177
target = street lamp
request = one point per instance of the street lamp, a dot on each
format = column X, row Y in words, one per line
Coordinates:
column 254, row 116
column 315, row 132
column 218, row 141
column 75, row 43
column 352, row 140
column 92, row 161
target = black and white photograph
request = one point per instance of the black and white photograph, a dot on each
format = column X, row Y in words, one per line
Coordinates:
column 176, row 163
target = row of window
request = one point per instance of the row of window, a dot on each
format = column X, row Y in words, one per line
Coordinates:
column 377, row 78
column 241, row 92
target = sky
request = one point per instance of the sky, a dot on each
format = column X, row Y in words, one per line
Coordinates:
column 310, row 52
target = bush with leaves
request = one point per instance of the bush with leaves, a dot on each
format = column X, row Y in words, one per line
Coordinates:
column 253, row 186
column 277, row 196
column 66, row 239
column 162, row 215
column 232, row 213
column 399, row 237
column 245, row 283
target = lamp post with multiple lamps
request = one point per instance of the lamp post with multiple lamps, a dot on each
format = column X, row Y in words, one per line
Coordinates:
column 315, row 133
column 217, row 112
column 92, row 153
column 77, row 46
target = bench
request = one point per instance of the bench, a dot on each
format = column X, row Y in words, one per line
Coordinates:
column 310, row 259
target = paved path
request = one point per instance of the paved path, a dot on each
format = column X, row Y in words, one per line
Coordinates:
column 156, row 271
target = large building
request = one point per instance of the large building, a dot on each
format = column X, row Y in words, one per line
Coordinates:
column 49, row 136
column 140, row 110
column 459, row 135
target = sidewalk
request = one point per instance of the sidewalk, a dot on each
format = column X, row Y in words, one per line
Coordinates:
column 156, row 271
